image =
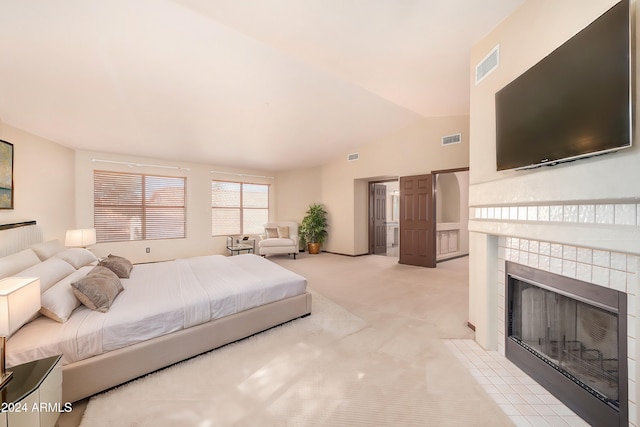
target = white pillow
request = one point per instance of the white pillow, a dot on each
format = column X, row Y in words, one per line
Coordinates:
column 14, row 263
column 47, row 249
column 58, row 302
column 78, row 257
column 50, row 271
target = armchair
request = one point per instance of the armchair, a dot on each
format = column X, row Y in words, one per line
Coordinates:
column 280, row 237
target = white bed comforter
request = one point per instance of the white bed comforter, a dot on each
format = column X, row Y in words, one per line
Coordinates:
column 158, row 299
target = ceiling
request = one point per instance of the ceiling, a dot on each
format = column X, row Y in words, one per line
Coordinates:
column 269, row 85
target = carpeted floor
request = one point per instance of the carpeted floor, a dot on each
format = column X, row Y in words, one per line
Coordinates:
column 371, row 354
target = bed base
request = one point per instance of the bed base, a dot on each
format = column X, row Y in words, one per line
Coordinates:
column 90, row 376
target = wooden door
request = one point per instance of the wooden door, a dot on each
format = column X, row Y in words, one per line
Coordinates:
column 379, row 218
column 417, row 221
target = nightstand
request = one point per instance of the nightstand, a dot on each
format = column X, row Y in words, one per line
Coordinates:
column 33, row 397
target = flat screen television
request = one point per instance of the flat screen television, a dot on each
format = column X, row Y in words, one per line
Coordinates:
column 574, row 103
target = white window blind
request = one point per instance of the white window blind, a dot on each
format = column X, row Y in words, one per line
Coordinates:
column 138, row 207
column 238, row 208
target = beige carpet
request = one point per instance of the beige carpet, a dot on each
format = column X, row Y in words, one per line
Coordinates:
column 371, row 354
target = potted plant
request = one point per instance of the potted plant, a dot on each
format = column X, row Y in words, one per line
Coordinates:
column 314, row 227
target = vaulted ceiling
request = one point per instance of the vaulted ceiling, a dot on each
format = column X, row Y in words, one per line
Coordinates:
column 264, row 84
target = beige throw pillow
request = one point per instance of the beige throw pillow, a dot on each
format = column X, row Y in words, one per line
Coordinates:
column 119, row 265
column 98, row 289
column 283, row 232
column 271, row 232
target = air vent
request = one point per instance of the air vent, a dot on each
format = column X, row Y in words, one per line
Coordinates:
column 488, row 64
column 353, row 157
column 451, row 139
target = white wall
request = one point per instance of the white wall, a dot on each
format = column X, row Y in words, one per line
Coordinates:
column 463, row 179
column 296, row 191
column 54, row 185
column 43, row 177
column 343, row 186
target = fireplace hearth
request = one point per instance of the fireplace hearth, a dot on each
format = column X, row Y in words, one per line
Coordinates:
column 571, row 337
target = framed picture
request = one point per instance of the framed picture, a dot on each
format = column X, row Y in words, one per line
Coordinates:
column 6, row 175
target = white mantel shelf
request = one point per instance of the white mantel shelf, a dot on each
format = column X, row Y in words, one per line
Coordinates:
column 601, row 224
column 608, row 237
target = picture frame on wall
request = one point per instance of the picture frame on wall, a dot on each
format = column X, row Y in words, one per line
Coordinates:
column 6, row 175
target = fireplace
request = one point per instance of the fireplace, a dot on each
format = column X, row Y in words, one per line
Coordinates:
column 571, row 337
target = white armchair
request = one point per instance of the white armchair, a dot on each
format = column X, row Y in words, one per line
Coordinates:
column 280, row 237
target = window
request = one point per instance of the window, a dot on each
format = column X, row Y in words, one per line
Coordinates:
column 238, row 208
column 138, row 207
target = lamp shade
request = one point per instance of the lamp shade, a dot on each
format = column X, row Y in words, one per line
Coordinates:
column 19, row 301
column 80, row 238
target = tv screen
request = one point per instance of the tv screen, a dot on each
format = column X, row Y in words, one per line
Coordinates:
column 576, row 102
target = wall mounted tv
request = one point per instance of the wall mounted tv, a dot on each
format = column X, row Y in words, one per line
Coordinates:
column 574, row 103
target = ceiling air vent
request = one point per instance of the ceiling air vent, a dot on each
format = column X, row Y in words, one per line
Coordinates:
column 353, row 157
column 451, row 139
column 488, row 64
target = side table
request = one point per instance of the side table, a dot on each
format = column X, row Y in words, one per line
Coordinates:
column 236, row 247
column 33, row 397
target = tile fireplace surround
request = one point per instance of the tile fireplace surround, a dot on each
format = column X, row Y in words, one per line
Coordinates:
column 593, row 242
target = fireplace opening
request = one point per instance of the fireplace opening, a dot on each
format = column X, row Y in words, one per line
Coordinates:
column 571, row 337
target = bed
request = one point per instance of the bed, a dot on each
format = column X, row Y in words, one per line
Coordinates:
column 167, row 311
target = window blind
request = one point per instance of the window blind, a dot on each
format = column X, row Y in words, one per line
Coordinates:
column 238, row 208
column 138, row 207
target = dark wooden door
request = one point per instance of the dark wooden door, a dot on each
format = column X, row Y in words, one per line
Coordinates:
column 379, row 218
column 417, row 221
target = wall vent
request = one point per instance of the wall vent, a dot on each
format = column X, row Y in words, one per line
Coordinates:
column 353, row 157
column 452, row 139
column 488, row 64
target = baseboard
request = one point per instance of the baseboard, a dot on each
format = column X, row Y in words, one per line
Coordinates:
column 450, row 258
column 337, row 253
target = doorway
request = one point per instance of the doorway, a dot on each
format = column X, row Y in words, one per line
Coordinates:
column 452, row 213
column 384, row 229
column 436, row 207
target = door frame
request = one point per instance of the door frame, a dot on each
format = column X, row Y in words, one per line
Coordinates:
column 435, row 198
column 450, row 170
column 371, row 210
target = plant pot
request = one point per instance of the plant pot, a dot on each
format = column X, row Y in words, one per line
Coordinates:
column 314, row 248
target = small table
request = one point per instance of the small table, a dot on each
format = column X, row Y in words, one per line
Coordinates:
column 236, row 246
column 33, row 397
column 236, row 249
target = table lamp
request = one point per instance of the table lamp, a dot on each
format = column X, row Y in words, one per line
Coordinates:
column 19, row 301
column 80, row 238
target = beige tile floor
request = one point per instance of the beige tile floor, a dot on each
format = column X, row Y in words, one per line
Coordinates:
column 415, row 324
column 519, row 396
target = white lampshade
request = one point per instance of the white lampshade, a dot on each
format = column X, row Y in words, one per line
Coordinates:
column 19, row 301
column 80, row 238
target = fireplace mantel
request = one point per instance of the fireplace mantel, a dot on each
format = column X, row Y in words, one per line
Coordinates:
column 607, row 225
